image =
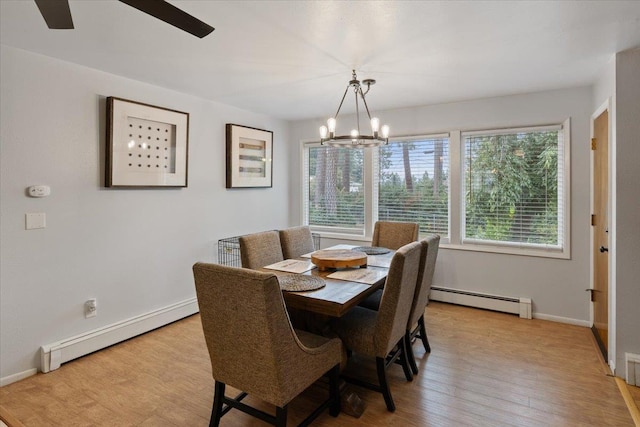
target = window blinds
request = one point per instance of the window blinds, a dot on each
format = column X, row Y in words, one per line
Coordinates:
column 513, row 187
column 335, row 196
column 413, row 182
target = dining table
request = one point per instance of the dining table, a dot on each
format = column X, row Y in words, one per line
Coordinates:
column 338, row 295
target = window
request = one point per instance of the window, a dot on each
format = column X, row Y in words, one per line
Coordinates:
column 413, row 183
column 513, row 187
column 335, row 195
column 500, row 191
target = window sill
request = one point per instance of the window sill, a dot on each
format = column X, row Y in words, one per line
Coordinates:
column 540, row 253
column 444, row 244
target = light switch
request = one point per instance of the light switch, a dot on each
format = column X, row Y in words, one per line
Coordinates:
column 36, row 220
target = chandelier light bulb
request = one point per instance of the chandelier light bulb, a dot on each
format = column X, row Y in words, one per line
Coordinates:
column 385, row 131
column 375, row 124
column 331, row 123
column 354, row 134
column 323, row 132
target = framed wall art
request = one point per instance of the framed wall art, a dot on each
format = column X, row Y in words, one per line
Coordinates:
column 147, row 146
column 249, row 157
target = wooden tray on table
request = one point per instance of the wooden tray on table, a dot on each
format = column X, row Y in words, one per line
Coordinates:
column 338, row 258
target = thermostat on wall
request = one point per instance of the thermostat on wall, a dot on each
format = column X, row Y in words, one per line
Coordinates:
column 39, row 190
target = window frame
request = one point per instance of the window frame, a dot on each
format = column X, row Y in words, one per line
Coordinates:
column 457, row 209
column 516, row 248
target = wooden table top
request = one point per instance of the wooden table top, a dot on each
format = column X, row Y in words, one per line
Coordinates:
column 338, row 296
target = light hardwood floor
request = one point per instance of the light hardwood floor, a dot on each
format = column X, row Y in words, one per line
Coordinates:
column 635, row 393
column 485, row 369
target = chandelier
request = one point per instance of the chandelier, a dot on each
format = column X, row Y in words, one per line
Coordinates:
column 356, row 139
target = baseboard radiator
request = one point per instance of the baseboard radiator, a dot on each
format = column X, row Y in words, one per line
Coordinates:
column 54, row 354
column 519, row 306
column 633, row 368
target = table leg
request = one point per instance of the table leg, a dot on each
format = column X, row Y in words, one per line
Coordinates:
column 351, row 403
column 319, row 324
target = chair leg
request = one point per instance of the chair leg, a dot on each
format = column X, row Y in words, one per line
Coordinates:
column 404, row 359
column 281, row 416
column 216, row 411
column 410, row 356
column 384, row 385
column 334, row 390
column 423, row 334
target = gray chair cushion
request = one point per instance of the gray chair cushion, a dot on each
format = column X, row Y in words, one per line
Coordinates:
column 393, row 235
column 260, row 249
column 296, row 241
column 430, row 246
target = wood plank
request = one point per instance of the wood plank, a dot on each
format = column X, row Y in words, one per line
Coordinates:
column 485, row 369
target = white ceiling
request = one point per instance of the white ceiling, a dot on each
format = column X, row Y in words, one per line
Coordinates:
column 293, row 59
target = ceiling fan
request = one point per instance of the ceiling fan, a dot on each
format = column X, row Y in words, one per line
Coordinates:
column 57, row 15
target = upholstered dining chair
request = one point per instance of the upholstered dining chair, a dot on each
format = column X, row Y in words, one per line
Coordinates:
column 260, row 249
column 393, row 235
column 416, row 327
column 381, row 334
column 253, row 347
column 296, row 241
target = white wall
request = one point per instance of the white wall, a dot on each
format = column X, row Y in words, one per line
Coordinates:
column 627, row 177
column 556, row 286
column 605, row 86
column 131, row 249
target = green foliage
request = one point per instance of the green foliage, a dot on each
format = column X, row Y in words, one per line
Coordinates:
column 424, row 203
column 348, row 207
column 512, row 187
column 350, row 211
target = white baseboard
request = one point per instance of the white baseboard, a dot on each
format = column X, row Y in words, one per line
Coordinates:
column 561, row 319
column 54, row 354
column 17, row 377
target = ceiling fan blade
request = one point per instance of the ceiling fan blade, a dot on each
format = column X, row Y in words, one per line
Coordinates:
column 56, row 14
column 171, row 15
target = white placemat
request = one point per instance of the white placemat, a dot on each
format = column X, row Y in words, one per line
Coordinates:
column 361, row 275
column 292, row 266
column 379, row 261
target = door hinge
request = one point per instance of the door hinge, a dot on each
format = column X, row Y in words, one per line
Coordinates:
column 593, row 219
column 593, row 143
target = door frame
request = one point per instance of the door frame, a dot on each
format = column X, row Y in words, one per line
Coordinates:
column 611, row 348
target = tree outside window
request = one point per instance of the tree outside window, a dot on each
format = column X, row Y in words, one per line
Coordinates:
column 511, row 187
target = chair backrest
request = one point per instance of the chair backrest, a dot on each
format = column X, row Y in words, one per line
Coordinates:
column 397, row 296
column 260, row 249
column 428, row 256
column 394, row 235
column 247, row 330
column 296, row 241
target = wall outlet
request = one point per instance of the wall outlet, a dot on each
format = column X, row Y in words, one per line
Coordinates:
column 90, row 308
